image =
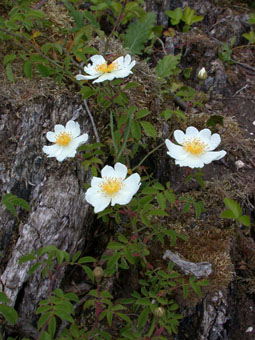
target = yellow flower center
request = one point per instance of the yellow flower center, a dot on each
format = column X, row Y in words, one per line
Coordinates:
column 104, row 68
column 195, row 146
column 63, row 138
column 111, row 185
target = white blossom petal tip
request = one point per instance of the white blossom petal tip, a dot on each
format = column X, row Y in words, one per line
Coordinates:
column 113, row 188
column 195, row 147
column 67, row 139
column 100, row 69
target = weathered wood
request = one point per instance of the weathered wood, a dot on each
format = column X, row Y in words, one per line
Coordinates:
column 59, row 213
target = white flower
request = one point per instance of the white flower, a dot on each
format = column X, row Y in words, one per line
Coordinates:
column 66, row 139
column 202, row 74
column 119, row 68
column 112, row 187
column 195, row 147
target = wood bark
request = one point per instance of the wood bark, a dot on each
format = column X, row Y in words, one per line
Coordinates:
column 59, row 213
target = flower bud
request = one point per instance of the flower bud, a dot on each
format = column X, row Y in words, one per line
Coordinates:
column 159, row 312
column 98, row 273
column 202, row 74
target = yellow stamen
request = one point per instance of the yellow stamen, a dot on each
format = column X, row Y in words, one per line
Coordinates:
column 104, row 68
column 111, row 185
column 63, row 138
column 195, row 146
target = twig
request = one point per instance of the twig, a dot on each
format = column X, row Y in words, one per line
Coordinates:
column 243, row 88
column 163, row 46
column 41, row 3
column 92, row 121
column 115, row 27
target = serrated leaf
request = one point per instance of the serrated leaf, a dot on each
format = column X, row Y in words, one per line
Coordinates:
column 167, row 65
column 142, row 113
column 135, row 129
column 195, row 287
column 157, row 212
column 86, row 259
column 138, row 34
column 9, row 73
column 8, row 58
column 115, row 245
column 52, row 327
column 215, row 119
column 227, row 214
column 143, row 317
column 4, row 298
column 149, row 129
column 245, row 220
column 43, row 70
column 10, row 201
column 27, row 67
column 175, row 15
column 124, row 317
column 189, row 17
column 89, row 272
column 233, row 206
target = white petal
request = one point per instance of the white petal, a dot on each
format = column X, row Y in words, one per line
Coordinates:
column 191, row 161
column 51, row 136
column 205, row 135
column 191, row 131
column 91, row 70
column 127, row 60
column 97, row 200
column 73, row 127
column 175, row 151
column 210, row 156
column 120, row 170
column 130, row 188
column 179, row 136
column 103, row 77
column 214, row 141
column 52, row 150
column 97, row 59
column 120, row 62
column 81, row 77
column 96, row 181
column 81, row 139
column 122, row 73
column 59, row 128
column 108, row 171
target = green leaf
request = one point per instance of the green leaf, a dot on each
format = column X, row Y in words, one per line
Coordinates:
column 124, row 317
column 27, row 67
column 169, row 113
column 9, row 73
column 245, row 220
column 109, row 317
column 43, row 319
column 92, row 19
column 128, row 255
column 86, row 259
column 10, row 201
column 175, row 15
column 142, row 113
column 52, row 327
column 113, row 260
column 78, row 16
column 233, row 206
column 149, row 191
column 250, row 36
column 227, row 214
column 43, row 70
column 138, row 34
column 252, row 19
column 115, row 245
column 215, row 119
column 149, row 129
column 189, row 17
column 122, row 238
column 8, row 58
column 89, row 272
column 4, row 298
column 143, row 317
column 64, row 316
column 136, row 129
column 195, row 287
column 167, row 65
column 157, row 212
